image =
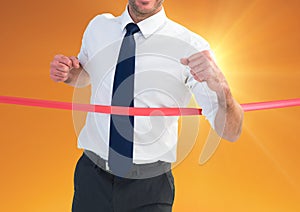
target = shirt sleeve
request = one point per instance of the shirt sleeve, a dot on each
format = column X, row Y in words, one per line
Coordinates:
column 88, row 38
column 206, row 98
column 83, row 54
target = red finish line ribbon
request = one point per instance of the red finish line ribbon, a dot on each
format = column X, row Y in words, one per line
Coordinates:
column 138, row 111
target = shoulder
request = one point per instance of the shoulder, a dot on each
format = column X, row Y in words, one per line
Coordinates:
column 105, row 18
column 101, row 24
column 187, row 35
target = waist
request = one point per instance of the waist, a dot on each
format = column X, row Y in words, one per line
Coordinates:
column 147, row 148
column 137, row 171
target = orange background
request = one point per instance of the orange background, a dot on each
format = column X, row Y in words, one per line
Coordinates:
column 257, row 46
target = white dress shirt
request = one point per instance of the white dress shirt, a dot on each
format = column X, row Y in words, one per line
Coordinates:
column 160, row 81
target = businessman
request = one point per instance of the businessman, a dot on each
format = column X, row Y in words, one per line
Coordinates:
column 140, row 59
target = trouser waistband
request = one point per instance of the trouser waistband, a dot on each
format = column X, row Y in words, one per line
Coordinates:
column 137, row 171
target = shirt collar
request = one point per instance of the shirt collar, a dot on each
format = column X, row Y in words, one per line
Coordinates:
column 147, row 26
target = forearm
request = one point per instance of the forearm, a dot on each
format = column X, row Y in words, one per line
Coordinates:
column 78, row 77
column 229, row 117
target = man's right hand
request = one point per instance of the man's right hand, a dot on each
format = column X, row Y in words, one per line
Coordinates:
column 61, row 66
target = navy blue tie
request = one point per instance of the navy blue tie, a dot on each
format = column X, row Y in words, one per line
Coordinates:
column 122, row 127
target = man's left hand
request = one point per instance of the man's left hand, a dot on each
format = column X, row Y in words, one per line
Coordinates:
column 229, row 117
column 204, row 69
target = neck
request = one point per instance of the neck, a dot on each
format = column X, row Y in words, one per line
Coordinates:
column 138, row 17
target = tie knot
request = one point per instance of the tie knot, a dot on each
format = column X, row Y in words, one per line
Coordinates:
column 132, row 28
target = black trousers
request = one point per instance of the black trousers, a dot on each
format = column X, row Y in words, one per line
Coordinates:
column 96, row 190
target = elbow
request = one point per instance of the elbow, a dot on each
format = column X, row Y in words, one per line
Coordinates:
column 228, row 125
column 235, row 134
column 82, row 84
column 232, row 138
column 232, row 131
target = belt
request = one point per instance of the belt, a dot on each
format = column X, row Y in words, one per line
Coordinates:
column 138, row 171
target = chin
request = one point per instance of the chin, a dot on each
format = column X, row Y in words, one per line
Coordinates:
column 145, row 5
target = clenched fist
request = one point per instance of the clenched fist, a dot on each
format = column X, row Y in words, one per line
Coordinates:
column 204, row 69
column 61, row 66
column 229, row 117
